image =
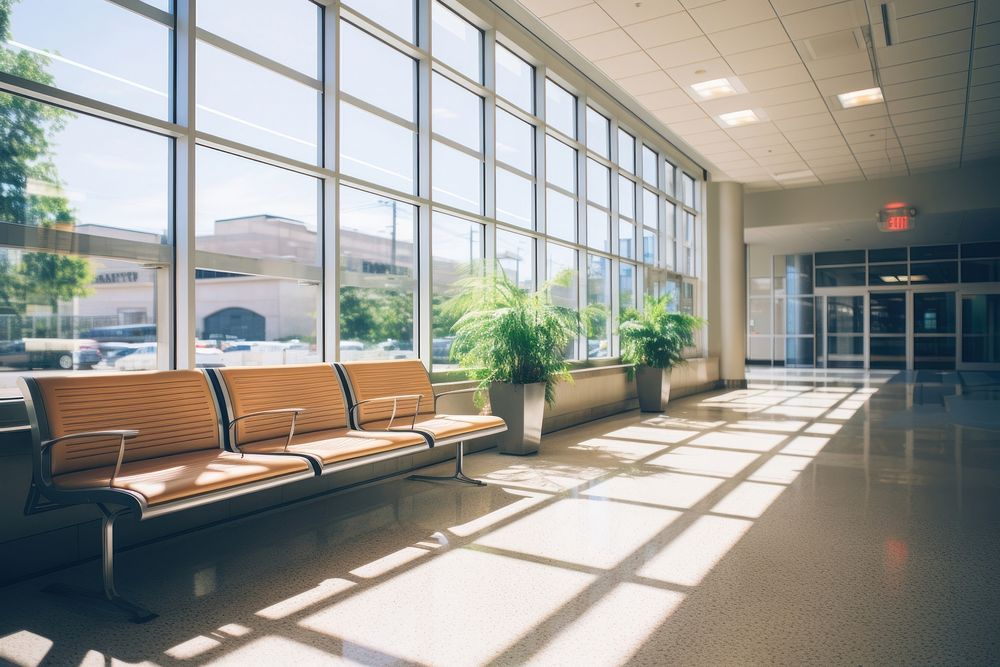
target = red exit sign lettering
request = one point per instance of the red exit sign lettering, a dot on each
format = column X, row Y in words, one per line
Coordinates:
column 898, row 219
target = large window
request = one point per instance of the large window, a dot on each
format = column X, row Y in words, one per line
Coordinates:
column 294, row 198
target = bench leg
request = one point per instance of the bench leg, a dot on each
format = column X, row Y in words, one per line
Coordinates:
column 110, row 596
column 459, row 475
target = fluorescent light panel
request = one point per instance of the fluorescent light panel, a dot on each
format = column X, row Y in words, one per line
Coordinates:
column 859, row 98
column 737, row 118
column 794, row 175
column 709, row 90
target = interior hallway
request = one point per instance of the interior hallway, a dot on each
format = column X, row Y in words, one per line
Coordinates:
column 816, row 517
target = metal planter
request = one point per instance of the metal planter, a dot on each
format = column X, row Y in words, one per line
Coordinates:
column 522, row 406
column 653, row 387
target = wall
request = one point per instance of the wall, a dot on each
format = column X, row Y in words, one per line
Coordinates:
column 34, row 544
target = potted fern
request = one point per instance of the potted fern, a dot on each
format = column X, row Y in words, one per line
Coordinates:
column 512, row 341
column 653, row 341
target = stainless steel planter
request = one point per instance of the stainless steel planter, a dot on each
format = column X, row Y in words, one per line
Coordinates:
column 653, row 386
column 522, row 406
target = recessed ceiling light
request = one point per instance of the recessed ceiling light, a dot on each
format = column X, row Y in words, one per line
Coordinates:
column 736, row 118
column 794, row 175
column 709, row 90
column 859, row 98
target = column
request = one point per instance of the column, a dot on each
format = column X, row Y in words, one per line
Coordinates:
column 726, row 274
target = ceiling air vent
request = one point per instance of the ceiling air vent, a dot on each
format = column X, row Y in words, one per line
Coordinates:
column 833, row 44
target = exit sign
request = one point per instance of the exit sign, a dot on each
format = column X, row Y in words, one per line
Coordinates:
column 896, row 219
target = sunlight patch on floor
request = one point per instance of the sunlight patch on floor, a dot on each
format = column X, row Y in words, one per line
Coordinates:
column 666, row 489
column 324, row 591
column 692, row 554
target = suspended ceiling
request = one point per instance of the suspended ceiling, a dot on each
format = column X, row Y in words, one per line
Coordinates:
column 788, row 60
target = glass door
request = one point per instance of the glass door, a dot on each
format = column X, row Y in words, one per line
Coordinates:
column 887, row 330
column 845, row 332
column 980, row 329
column 934, row 330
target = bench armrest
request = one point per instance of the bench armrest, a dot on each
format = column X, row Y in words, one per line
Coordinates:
column 395, row 405
column 294, row 412
column 121, row 434
column 470, row 390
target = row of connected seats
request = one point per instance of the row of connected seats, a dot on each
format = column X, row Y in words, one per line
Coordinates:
column 155, row 443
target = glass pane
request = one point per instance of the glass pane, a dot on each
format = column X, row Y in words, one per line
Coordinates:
column 256, row 106
column 599, row 307
column 760, row 316
column 457, row 113
column 515, row 79
column 759, row 349
column 650, row 209
column 395, row 15
column 688, row 193
column 840, row 277
column 598, row 229
column 840, row 257
column 649, row 162
column 887, row 255
column 626, row 197
column 561, row 267
column 981, row 271
column 458, row 178
column 516, row 254
column 626, row 151
column 668, row 173
column 937, row 353
column 888, row 312
column 560, row 215
column 888, row 352
column 991, row 249
column 627, row 286
column 376, row 150
column 799, row 352
column 845, row 352
column 796, row 272
column 888, row 274
column 88, row 47
column 560, row 166
column 779, row 316
column 981, row 328
column 251, row 209
column 560, row 109
column 648, row 246
column 845, row 314
column 933, row 252
column 934, row 312
column 81, row 173
column 598, row 133
column 373, row 71
column 378, row 277
column 285, row 31
column 515, row 199
column 457, row 42
column 933, row 272
column 515, row 142
column 456, row 247
column 598, row 183
column 66, row 312
column 255, row 320
column 799, row 318
column 626, row 240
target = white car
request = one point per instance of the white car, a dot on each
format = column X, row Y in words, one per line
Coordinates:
column 144, row 358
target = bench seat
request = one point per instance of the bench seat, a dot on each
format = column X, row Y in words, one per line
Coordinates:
column 443, row 427
column 168, row 478
column 336, row 445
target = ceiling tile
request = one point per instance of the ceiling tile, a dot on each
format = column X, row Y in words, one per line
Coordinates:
column 629, row 64
column 926, row 101
column 985, row 91
column 839, row 161
column 727, row 104
column 924, row 115
column 707, row 138
column 821, row 142
column 769, row 57
column 650, row 82
column 627, row 12
column 858, row 113
column 865, row 124
column 763, row 141
column 956, row 62
column 866, row 136
column 605, row 44
column 581, row 21
column 952, row 138
column 547, row 7
column 826, row 68
column 985, row 75
column 664, row 30
column 686, row 127
column 749, row 37
column 827, row 19
column 991, row 105
column 775, row 78
column 678, row 114
column 693, row 4
column 801, row 122
column 845, row 84
column 955, row 123
column 921, row 49
column 928, row 86
column 683, row 52
column 928, row 24
column 795, row 136
column 705, row 70
column 986, row 56
column 778, row 112
column 663, row 99
column 987, row 35
column 980, row 129
column 731, row 14
column 988, row 12
column 752, row 130
column 795, row 93
column 878, row 147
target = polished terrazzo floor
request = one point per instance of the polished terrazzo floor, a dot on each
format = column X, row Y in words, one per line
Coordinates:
column 814, row 518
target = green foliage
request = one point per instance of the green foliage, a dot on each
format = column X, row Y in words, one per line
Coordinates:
column 373, row 315
column 656, row 337
column 507, row 335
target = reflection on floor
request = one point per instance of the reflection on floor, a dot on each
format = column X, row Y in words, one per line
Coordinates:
column 797, row 521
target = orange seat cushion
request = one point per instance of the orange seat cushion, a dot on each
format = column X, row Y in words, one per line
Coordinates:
column 442, row 427
column 339, row 445
column 168, row 478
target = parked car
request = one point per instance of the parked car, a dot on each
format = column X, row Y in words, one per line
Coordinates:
column 144, row 358
column 441, row 350
column 39, row 353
